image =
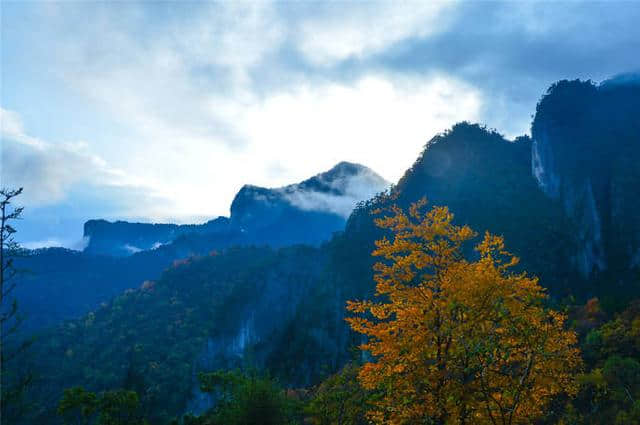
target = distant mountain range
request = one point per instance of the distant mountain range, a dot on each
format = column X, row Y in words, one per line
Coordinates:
column 307, row 212
column 62, row 284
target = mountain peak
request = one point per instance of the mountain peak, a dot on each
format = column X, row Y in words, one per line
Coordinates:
column 340, row 180
column 346, row 168
column 335, row 192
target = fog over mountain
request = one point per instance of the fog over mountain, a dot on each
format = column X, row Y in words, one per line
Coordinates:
column 335, row 191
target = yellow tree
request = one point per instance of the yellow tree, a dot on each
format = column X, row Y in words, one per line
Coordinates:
column 455, row 341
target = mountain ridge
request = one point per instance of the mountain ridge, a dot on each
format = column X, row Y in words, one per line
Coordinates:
column 321, row 202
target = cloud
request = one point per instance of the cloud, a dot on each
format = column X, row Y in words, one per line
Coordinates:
column 132, row 249
column 47, row 243
column 57, row 176
column 513, row 51
column 377, row 121
column 46, row 170
column 336, row 31
column 77, row 245
column 346, row 192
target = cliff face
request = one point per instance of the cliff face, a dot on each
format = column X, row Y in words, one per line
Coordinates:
column 586, row 154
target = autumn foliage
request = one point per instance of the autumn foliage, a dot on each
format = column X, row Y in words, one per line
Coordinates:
column 458, row 339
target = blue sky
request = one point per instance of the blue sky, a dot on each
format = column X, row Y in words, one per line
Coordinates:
column 161, row 111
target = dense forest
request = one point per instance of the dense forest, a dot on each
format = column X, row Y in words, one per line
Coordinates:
column 497, row 282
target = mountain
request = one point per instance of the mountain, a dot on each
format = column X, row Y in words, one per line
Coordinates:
column 63, row 284
column 123, row 238
column 486, row 181
column 283, row 309
column 200, row 314
column 586, row 155
column 307, row 212
column 565, row 199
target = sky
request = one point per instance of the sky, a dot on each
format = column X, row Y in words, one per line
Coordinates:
column 160, row 111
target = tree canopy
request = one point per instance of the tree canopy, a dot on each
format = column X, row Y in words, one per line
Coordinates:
column 455, row 340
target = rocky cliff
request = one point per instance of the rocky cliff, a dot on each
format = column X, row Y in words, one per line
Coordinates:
column 586, row 154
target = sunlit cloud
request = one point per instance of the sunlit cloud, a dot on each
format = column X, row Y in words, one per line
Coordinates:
column 377, row 121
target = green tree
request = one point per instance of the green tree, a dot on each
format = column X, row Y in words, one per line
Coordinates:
column 340, row 400
column 609, row 391
column 78, row 406
column 118, row 407
column 247, row 399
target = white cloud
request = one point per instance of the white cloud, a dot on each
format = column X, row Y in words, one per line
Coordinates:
column 77, row 245
column 46, row 243
column 378, row 121
column 349, row 190
column 51, row 172
column 44, row 169
column 132, row 249
column 233, row 35
column 342, row 30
